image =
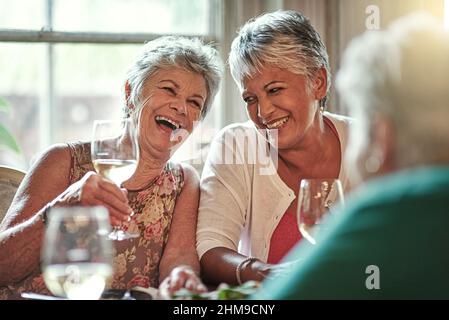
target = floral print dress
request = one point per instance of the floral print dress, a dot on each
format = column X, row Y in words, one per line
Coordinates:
column 136, row 261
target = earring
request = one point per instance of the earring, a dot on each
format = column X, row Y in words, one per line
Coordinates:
column 372, row 164
column 320, row 105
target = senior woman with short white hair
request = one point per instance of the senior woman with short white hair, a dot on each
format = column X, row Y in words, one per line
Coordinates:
column 170, row 86
column 392, row 239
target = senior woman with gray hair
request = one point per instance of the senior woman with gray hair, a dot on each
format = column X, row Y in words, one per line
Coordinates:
column 247, row 216
column 392, row 240
column 173, row 78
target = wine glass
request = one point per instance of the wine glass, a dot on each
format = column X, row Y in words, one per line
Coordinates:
column 317, row 198
column 76, row 253
column 114, row 154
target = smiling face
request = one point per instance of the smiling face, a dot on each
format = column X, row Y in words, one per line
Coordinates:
column 172, row 102
column 277, row 99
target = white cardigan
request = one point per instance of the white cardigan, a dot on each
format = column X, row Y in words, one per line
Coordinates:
column 240, row 204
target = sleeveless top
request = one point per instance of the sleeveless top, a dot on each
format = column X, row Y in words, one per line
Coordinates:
column 287, row 235
column 136, row 261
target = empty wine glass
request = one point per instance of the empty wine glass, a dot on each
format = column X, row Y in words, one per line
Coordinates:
column 316, row 198
column 76, row 253
column 114, row 154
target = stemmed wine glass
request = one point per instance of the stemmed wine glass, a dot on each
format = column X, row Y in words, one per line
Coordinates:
column 76, row 253
column 114, row 154
column 317, row 197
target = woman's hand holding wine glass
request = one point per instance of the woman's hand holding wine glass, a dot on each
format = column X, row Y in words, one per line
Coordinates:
column 114, row 153
column 95, row 190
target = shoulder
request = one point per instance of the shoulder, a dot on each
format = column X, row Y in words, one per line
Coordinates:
column 190, row 174
column 184, row 175
column 50, row 172
column 385, row 199
column 65, row 152
column 407, row 185
column 80, row 152
column 56, row 155
column 339, row 120
column 238, row 140
column 341, row 124
column 235, row 129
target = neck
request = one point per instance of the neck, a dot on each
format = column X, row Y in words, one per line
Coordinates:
column 313, row 150
column 148, row 168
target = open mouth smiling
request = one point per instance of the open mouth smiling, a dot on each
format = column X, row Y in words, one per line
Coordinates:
column 276, row 124
column 168, row 123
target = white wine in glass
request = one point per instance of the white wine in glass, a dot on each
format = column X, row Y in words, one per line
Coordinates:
column 316, row 198
column 76, row 254
column 115, row 170
column 114, row 153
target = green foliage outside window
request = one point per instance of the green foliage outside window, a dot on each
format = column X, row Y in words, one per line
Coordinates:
column 6, row 138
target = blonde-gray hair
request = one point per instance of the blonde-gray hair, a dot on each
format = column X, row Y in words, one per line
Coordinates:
column 284, row 38
column 402, row 74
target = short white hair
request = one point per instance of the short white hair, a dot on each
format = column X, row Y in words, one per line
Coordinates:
column 402, row 74
column 168, row 52
column 285, row 39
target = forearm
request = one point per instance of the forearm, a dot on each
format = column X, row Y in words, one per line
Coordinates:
column 20, row 248
column 20, row 244
column 220, row 265
column 168, row 263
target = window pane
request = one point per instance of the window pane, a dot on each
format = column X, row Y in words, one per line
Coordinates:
column 22, row 82
column 152, row 16
column 87, row 78
column 88, row 86
column 22, row 14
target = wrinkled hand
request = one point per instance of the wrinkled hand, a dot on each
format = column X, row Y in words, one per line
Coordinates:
column 180, row 277
column 94, row 190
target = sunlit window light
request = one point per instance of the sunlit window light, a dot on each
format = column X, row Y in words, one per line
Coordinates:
column 446, row 14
